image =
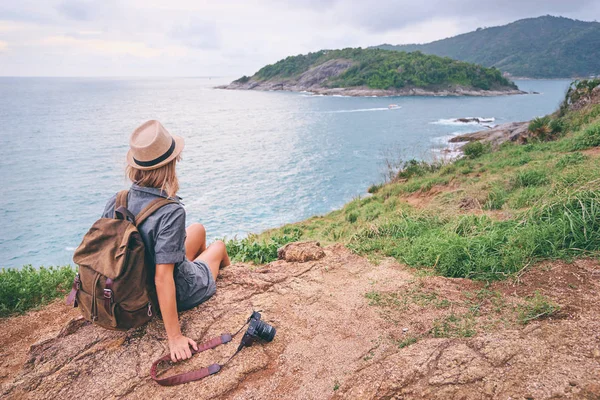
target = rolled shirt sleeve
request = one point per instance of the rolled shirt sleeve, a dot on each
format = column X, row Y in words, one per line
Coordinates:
column 169, row 246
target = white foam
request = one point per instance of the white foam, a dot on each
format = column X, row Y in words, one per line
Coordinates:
column 455, row 122
column 68, row 248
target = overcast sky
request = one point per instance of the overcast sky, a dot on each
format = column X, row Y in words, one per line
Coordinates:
column 231, row 37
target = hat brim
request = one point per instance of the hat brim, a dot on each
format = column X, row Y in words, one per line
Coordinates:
column 179, row 145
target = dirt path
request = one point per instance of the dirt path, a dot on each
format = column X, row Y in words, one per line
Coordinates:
column 345, row 329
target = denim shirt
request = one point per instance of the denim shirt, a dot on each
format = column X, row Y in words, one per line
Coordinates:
column 163, row 232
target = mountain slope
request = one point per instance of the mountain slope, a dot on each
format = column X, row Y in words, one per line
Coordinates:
column 543, row 47
column 375, row 71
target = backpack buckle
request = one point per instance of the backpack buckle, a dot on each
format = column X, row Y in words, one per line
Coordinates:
column 108, row 294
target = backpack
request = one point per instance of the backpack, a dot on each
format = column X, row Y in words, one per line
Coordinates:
column 113, row 288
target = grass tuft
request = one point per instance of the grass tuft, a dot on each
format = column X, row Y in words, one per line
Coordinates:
column 537, row 306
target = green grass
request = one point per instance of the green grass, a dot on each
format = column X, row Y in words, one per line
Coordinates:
column 260, row 250
column 547, row 190
column 28, row 287
column 407, row 341
column 454, row 325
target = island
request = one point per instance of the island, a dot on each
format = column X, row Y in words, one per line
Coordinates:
column 377, row 72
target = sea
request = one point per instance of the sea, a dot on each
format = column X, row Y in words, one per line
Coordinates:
column 252, row 160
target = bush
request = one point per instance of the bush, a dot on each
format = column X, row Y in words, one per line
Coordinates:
column 352, row 217
column 374, row 188
column 544, row 129
column 529, row 178
column 414, row 167
column 476, row 149
column 28, row 287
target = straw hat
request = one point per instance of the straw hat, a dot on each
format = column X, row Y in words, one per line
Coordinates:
column 151, row 146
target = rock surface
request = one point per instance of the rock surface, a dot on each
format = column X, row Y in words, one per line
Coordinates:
column 343, row 325
column 301, row 252
column 511, row 131
column 314, row 81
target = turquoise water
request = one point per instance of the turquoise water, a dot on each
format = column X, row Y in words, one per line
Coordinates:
column 253, row 160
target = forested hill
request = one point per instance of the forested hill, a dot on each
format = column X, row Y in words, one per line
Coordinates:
column 374, row 69
column 543, row 47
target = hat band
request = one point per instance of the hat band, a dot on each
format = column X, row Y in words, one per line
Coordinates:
column 159, row 159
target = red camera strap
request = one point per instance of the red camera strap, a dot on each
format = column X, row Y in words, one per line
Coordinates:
column 199, row 373
column 192, row 375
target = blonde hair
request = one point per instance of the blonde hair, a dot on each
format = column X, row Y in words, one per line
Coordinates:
column 163, row 178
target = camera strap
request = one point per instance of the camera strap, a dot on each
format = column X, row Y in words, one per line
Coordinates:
column 199, row 373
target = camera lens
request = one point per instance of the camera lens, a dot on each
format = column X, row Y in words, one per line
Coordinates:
column 265, row 331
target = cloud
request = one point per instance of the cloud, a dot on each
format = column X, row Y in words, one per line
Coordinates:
column 197, row 33
column 234, row 37
column 398, row 14
column 107, row 47
column 3, row 46
column 78, row 10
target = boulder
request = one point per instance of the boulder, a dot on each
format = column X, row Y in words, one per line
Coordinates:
column 301, row 252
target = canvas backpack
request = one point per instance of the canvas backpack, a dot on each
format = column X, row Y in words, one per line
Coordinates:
column 113, row 288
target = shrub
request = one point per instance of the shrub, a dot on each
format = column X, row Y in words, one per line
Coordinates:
column 28, row 287
column 529, row 178
column 374, row 188
column 260, row 251
column 476, row 149
column 414, row 167
column 352, row 217
column 544, row 129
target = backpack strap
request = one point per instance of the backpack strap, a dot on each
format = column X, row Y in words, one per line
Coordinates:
column 151, row 209
column 121, row 211
column 121, row 199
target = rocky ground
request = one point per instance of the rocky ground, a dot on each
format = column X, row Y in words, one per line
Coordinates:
column 314, row 81
column 346, row 328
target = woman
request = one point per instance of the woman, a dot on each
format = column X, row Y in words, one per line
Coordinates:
column 181, row 284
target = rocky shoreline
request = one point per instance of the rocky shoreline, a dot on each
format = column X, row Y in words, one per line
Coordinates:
column 511, row 131
column 315, row 79
column 289, row 86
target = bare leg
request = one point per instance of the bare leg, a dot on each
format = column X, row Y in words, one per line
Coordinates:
column 195, row 242
column 216, row 257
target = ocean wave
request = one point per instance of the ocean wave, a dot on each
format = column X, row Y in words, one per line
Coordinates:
column 456, row 122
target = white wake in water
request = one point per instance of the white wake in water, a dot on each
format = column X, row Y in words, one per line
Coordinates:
column 357, row 110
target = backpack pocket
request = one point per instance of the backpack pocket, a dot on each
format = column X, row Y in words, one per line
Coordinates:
column 94, row 310
column 133, row 318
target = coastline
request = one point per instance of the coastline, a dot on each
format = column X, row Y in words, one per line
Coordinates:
column 451, row 91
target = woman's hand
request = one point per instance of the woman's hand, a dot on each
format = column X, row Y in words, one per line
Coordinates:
column 180, row 348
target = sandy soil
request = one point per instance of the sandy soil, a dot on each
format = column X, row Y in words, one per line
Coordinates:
column 347, row 329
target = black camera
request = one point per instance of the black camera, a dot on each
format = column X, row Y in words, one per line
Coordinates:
column 257, row 330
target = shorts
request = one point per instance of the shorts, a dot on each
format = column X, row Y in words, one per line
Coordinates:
column 194, row 284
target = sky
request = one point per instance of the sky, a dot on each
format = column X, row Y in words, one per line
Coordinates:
column 131, row 38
